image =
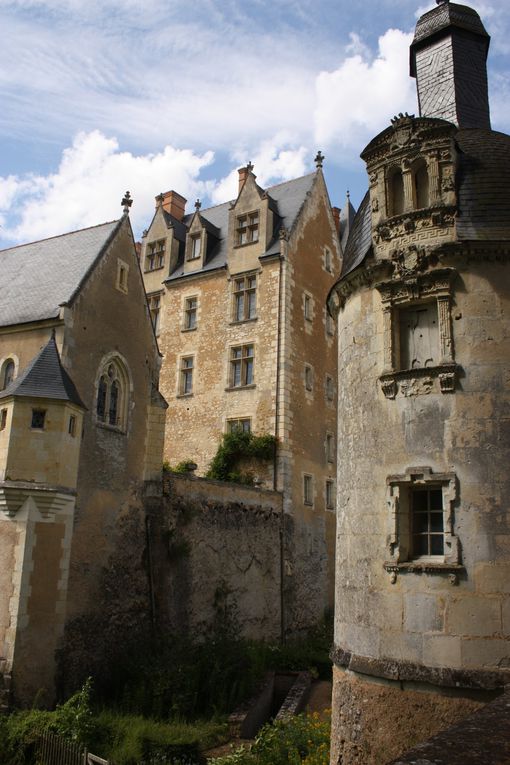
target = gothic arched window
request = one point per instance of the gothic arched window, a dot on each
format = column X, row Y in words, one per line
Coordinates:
column 7, row 373
column 112, row 394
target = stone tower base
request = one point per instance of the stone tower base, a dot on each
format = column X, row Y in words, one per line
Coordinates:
column 374, row 721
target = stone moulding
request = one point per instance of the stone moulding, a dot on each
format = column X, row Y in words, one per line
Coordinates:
column 447, row 374
column 406, row 671
column 48, row 499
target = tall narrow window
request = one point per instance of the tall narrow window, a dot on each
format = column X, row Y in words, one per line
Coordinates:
column 330, row 388
column 196, row 247
column 330, row 447
column 186, row 381
column 3, row 419
column 114, row 403
column 330, row 494
column 101, row 398
column 72, row 425
column 421, row 185
column 245, row 298
column 308, row 377
column 241, row 366
column 7, row 373
column 427, row 522
column 308, row 489
column 190, row 313
column 247, row 228
column 396, row 193
column 307, row 306
column 328, row 260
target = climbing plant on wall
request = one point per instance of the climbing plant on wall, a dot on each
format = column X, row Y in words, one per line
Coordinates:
column 235, row 447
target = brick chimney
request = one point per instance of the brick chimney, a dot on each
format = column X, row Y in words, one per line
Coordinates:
column 172, row 203
column 243, row 174
column 336, row 217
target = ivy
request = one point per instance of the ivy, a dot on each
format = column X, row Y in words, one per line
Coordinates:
column 236, row 446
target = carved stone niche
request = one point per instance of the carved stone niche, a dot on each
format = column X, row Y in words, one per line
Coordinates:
column 417, row 330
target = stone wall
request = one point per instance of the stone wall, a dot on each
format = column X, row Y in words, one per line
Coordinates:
column 215, row 554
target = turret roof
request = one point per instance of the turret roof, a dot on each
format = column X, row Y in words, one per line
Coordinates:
column 45, row 377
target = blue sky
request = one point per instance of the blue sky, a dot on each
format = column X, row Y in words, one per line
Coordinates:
column 100, row 96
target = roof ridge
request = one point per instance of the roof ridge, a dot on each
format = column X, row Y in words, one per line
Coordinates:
column 57, row 236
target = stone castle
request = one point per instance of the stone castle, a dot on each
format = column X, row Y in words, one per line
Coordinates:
column 374, row 347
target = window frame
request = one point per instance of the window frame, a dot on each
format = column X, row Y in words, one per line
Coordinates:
column 308, row 377
column 308, row 489
column 231, row 426
column 155, row 253
column 155, row 310
column 9, row 365
column 330, row 447
column 247, row 225
column 307, row 306
column 192, row 254
column 400, row 549
column 329, row 494
column 190, row 311
column 245, row 362
column 186, row 375
column 113, row 391
column 122, row 277
column 38, row 416
column 242, row 297
column 435, row 286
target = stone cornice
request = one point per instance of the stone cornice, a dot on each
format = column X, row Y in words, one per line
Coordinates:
column 406, row 671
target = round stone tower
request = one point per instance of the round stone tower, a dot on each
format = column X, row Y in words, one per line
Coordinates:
column 422, row 624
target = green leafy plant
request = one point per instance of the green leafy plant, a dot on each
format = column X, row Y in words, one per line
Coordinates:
column 182, row 468
column 236, row 446
column 303, row 739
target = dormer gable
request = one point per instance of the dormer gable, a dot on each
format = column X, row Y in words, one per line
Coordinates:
column 162, row 240
column 195, row 253
column 250, row 223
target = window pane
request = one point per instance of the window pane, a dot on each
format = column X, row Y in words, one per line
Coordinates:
column 101, row 399
column 436, row 544
column 420, row 523
column 114, row 400
column 436, row 499
column 420, row 500
column 249, row 372
column 239, row 314
column 436, row 521
column 236, row 373
column 252, row 303
column 420, row 545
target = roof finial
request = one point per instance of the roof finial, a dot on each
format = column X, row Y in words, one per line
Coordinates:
column 440, row 2
column 319, row 159
column 348, row 195
column 126, row 203
column 198, row 205
column 249, row 166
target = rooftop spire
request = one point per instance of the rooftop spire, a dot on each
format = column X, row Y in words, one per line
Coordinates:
column 126, row 203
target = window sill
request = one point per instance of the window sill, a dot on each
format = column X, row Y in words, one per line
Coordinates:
column 184, row 395
column 243, row 321
column 113, row 428
column 189, row 329
column 307, row 504
column 424, row 566
column 246, row 244
column 447, row 374
column 150, row 270
column 241, row 387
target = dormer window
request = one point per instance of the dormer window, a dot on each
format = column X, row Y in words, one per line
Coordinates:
column 195, row 250
column 247, row 228
column 155, row 255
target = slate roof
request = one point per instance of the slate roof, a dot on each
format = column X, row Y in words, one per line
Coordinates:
column 483, row 185
column 360, row 238
column 45, row 377
column 448, row 15
column 287, row 200
column 39, row 277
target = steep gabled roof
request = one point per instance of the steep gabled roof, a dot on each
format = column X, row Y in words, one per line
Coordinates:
column 286, row 199
column 360, row 238
column 39, row 277
column 45, row 377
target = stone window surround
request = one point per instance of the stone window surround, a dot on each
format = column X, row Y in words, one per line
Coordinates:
column 3, row 419
column 308, row 377
column 399, row 540
column 38, row 421
column 329, row 494
column 240, row 421
column 407, row 292
column 191, row 241
column 308, row 489
column 187, row 311
column 186, row 375
column 121, row 281
column 244, row 292
column 154, row 255
column 247, row 223
column 246, row 364
column 154, row 303
column 4, row 365
column 330, row 447
column 126, row 391
column 307, row 306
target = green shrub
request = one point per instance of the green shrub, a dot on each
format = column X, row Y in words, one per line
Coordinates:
column 236, row 446
column 302, row 739
column 185, row 466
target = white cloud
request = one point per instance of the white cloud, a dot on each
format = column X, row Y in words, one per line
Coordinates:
column 88, row 187
column 94, row 174
column 358, row 99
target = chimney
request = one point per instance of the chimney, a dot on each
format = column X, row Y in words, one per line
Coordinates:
column 336, row 218
column 172, row 203
column 243, row 174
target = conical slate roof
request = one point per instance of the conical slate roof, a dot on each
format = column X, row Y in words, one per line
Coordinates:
column 45, row 377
